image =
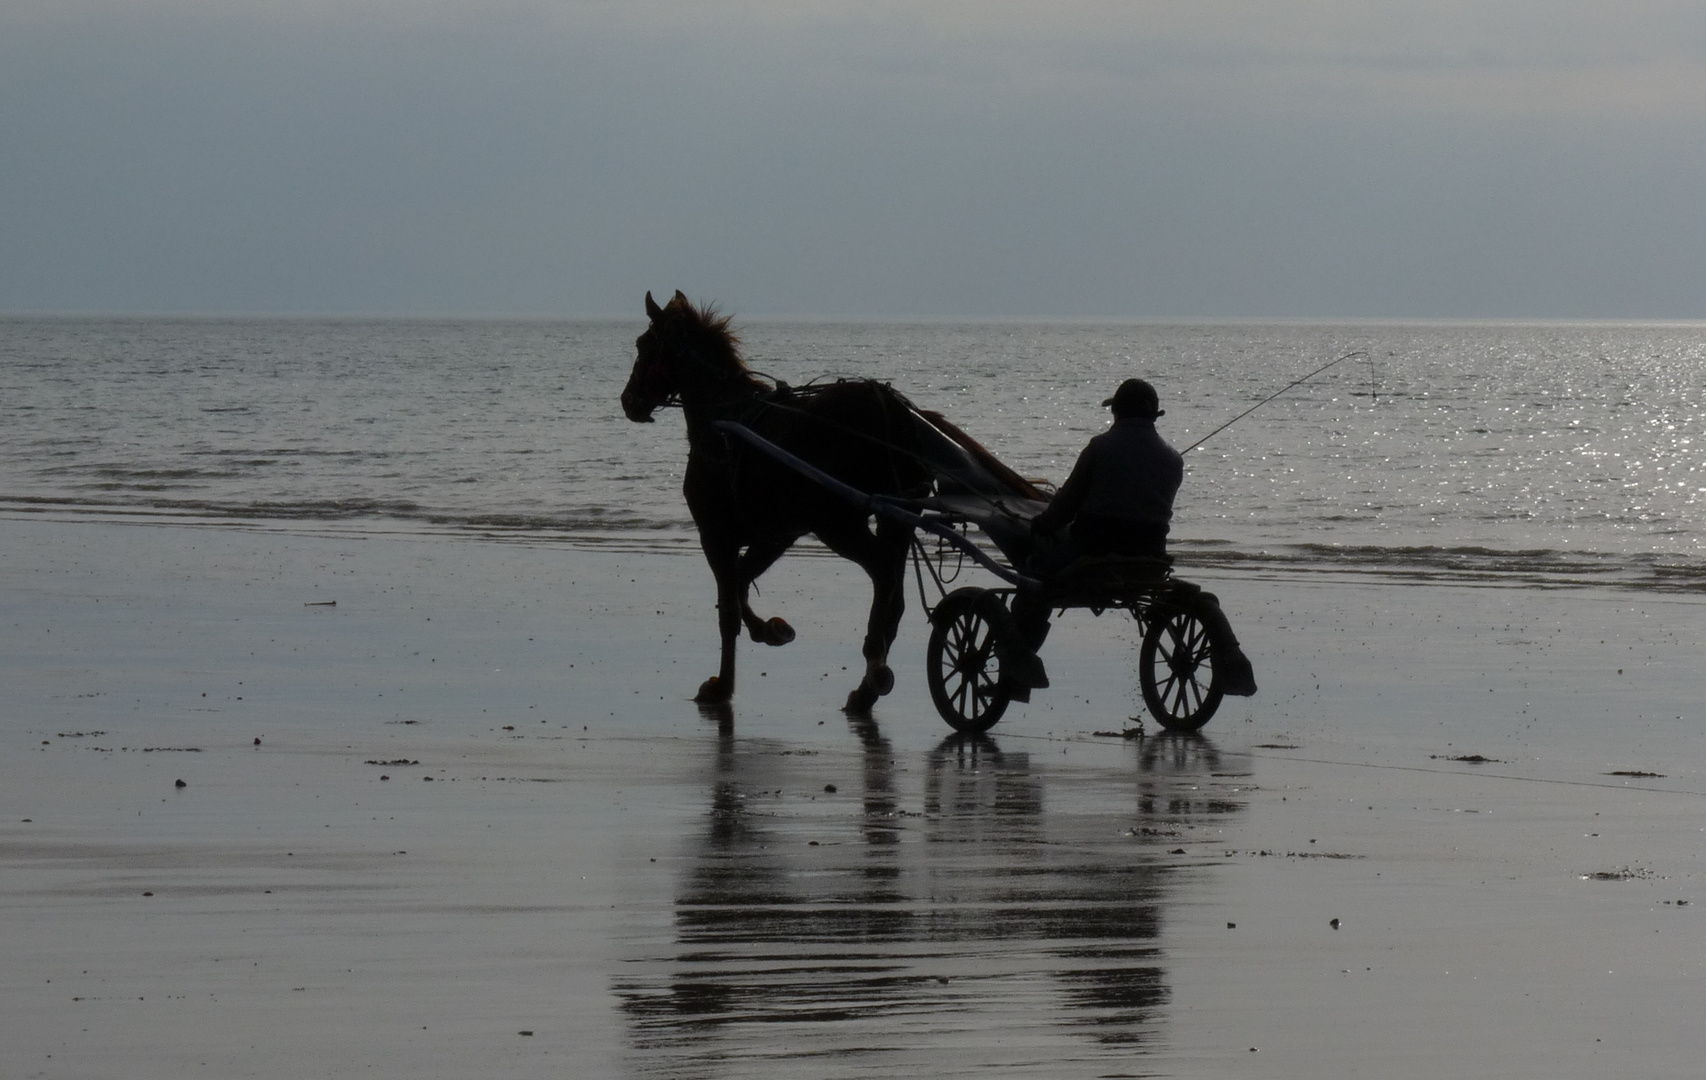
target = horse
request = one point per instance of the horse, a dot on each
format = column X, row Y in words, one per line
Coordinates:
column 750, row 509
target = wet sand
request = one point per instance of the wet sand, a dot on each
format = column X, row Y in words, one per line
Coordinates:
column 484, row 833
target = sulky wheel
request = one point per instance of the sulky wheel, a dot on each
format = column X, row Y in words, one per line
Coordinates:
column 1176, row 669
column 961, row 664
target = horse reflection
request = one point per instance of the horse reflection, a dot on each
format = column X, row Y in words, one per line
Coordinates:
column 957, row 898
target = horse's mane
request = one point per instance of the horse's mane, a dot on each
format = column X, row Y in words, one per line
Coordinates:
column 707, row 333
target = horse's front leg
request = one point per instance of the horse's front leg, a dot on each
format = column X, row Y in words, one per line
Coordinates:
column 758, row 558
column 883, row 557
column 725, row 566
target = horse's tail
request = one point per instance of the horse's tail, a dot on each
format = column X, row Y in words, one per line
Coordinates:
column 980, row 454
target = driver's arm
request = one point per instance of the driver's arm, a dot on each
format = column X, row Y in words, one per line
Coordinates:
column 1064, row 506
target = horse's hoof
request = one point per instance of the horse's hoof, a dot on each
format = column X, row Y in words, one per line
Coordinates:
column 859, row 702
column 711, row 692
column 880, row 678
column 774, row 631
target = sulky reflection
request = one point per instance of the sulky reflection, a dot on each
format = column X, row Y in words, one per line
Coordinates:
column 962, row 910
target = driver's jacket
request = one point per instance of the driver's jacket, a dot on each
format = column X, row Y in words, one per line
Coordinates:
column 1127, row 473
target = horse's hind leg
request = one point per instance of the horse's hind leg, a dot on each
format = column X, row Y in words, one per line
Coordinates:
column 757, row 559
column 883, row 557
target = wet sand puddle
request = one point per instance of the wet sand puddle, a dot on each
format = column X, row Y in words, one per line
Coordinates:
column 1013, row 921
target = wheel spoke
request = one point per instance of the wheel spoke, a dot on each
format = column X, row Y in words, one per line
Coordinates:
column 953, row 648
column 967, row 651
column 1168, row 690
column 960, row 642
column 1179, row 707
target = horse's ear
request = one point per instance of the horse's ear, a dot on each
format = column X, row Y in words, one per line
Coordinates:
column 680, row 301
column 653, row 312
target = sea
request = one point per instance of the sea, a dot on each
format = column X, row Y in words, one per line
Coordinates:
column 1535, row 454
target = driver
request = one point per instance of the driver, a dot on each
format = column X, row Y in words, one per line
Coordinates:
column 1119, row 498
column 1118, row 501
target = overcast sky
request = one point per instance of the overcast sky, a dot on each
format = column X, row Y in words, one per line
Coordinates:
column 1176, row 158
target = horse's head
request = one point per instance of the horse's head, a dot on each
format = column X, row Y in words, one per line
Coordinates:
column 652, row 383
column 683, row 349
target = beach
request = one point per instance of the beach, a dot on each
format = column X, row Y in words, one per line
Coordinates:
column 447, row 810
